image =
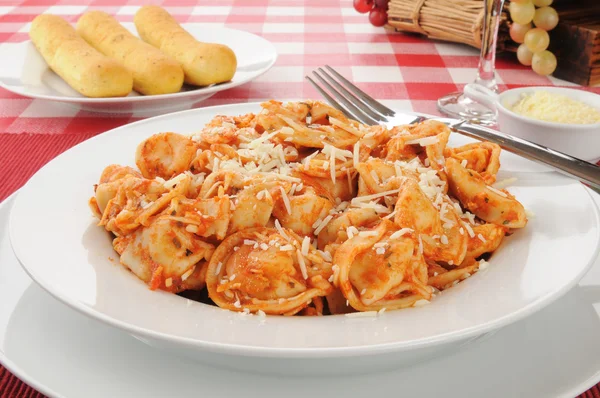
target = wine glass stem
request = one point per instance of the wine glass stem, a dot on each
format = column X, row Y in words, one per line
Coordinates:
column 486, row 71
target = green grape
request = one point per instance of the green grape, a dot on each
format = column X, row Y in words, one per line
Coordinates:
column 545, row 18
column 517, row 31
column 521, row 1
column 524, row 55
column 521, row 13
column 543, row 63
column 537, row 40
column 541, row 3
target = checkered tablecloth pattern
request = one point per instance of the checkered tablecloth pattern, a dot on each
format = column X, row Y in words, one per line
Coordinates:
column 404, row 71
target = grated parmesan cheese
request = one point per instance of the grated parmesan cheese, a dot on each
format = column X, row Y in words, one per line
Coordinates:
column 368, row 198
column 305, row 245
column 325, row 255
column 372, row 205
column 280, row 230
column 286, row 201
column 469, row 230
column 170, row 184
column 400, row 233
column 302, row 264
column 188, row 273
column 351, row 231
column 191, row 228
column 424, row 141
column 375, row 177
column 347, row 127
column 336, row 153
column 365, row 314
column 323, row 224
column 421, row 303
column 389, row 216
column 555, row 108
column 483, row 264
column 332, row 165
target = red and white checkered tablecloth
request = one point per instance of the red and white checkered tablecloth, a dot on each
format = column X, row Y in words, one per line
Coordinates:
column 404, row 71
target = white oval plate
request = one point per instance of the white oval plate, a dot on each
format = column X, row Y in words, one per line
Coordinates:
column 56, row 239
column 28, row 74
column 527, row 359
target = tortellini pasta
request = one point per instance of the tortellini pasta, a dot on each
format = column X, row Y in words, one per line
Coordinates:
column 298, row 210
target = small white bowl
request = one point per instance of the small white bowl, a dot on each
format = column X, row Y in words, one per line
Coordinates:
column 578, row 140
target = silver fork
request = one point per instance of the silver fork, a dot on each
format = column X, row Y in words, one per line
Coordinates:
column 358, row 105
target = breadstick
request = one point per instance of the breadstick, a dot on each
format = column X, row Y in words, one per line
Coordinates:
column 154, row 72
column 202, row 63
column 80, row 65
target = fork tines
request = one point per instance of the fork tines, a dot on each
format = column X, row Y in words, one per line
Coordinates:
column 354, row 102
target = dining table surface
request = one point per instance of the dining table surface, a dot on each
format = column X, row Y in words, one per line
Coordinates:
column 404, row 71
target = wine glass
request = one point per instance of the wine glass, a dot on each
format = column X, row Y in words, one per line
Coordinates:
column 457, row 104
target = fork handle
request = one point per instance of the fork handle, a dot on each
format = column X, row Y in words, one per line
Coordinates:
column 583, row 171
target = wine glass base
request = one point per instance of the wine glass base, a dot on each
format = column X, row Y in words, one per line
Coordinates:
column 458, row 106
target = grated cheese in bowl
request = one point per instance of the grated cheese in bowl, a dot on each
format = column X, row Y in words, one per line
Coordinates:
column 556, row 108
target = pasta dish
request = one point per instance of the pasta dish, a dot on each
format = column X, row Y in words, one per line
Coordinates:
column 300, row 210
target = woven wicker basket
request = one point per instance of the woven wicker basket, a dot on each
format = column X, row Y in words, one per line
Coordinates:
column 458, row 21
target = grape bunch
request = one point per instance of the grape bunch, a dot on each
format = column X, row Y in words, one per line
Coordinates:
column 532, row 19
column 377, row 10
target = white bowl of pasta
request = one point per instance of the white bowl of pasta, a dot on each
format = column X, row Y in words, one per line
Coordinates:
column 388, row 246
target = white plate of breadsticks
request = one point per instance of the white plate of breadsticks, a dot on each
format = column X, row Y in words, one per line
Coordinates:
column 154, row 64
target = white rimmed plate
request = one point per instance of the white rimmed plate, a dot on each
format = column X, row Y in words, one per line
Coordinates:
column 28, row 74
column 49, row 346
column 55, row 238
